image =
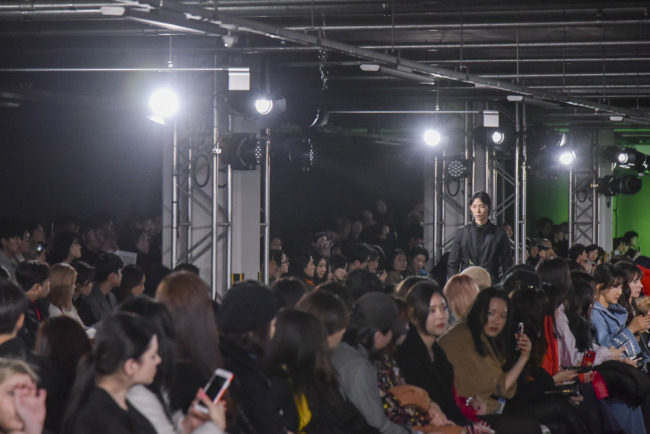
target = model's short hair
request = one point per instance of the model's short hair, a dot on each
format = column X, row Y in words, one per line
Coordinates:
column 29, row 273
column 484, row 197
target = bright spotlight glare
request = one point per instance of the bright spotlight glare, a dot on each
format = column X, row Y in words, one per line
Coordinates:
column 567, row 157
column 263, row 106
column 432, row 137
column 164, row 103
column 498, row 137
column 623, row 157
column 562, row 141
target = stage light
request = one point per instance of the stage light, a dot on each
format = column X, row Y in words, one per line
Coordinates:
column 164, row 103
column 613, row 185
column 630, row 158
column 243, row 151
column 566, row 157
column 302, row 155
column 497, row 137
column 432, row 137
column 457, row 168
column 263, row 106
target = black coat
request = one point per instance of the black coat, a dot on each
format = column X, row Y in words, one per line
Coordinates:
column 486, row 246
column 436, row 377
column 251, row 389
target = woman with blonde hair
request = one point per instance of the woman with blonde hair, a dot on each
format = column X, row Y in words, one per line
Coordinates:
column 461, row 291
column 62, row 280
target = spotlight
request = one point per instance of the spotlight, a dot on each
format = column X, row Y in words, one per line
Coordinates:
column 457, row 168
column 566, row 157
column 630, row 158
column 244, row 151
column 432, row 137
column 263, row 106
column 497, row 137
column 163, row 103
column 613, row 185
column 301, row 155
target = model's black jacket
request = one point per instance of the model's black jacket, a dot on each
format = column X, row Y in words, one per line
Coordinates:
column 485, row 246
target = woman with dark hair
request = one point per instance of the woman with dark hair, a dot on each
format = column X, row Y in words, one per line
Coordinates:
column 397, row 265
column 420, row 358
column 278, row 265
column 137, row 240
column 302, row 266
column 288, row 291
column 186, row 296
column 338, row 268
column 632, row 287
column 417, row 259
column 132, row 284
column 125, row 354
column 244, row 321
column 63, row 341
column 65, row 248
column 322, row 269
column 608, row 317
column 303, row 382
column 153, row 400
column 477, row 347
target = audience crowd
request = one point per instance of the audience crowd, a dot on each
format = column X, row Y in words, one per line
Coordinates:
column 356, row 333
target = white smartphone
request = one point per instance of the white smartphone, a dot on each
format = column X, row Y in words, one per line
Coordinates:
column 215, row 387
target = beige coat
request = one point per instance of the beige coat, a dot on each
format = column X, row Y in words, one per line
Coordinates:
column 474, row 374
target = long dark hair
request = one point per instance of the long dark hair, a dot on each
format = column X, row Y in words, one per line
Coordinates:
column 161, row 320
column 299, row 350
column 607, row 276
column 529, row 306
column 197, row 341
column 418, row 300
column 631, row 272
column 120, row 337
column 478, row 317
column 61, row 247
column 556, row 272
column 298, row 264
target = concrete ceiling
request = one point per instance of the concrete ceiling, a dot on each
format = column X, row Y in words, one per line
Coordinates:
column 584, row 63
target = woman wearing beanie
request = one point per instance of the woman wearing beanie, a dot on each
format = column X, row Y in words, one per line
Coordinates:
column 244, row 322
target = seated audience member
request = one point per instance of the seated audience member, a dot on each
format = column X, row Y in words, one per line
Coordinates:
column 187, row 297
column 34, row 278
column 420, row 358
column 304, row 386
column 244, row 321
column 302, row 267
column 108, row 275
column 10, row 241
column 637, row 321
column 417, row 259
column 288, row 291
column 339, row 291
column 275, row 243
column 532, row 249
column 339, row 268
column 65, row 248
column 82, row 287
column 620, row 248
column 544, row 227
column 358, row 257
column 124, row 355
column 37, row 241
column 153, row 400
column 403, row 403
column 331, row 312
column 374, row 318
column 13, row 304
column 62, row 287
column 278, row 265
column 62, row 341
column 321, row 244
column 561, row 240
column 322, row 270
column 376, row 260
column 592, row 258
column 396, row 267
column 546, row 249
column 91, row 235
column 578, row 258
column 631, row 239
column 610, row 318
column 137, row 240
column 132, row 283
column 360, row 282
column 477, row 348
column 22, row 403
column 461, row 291
column 479, row 275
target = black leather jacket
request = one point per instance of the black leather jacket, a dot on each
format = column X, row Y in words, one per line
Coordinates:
column 485, row 246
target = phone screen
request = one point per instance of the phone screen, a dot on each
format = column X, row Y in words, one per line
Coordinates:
column 217, row 386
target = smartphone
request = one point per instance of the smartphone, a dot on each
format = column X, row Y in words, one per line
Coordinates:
column 215, row 387
column 520, row 329
column 379, row 272
column 40, row 247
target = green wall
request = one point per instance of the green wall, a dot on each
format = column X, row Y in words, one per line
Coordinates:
column 547, row 198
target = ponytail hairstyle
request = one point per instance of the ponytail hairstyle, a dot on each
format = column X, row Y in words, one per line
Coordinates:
column 120, row 337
